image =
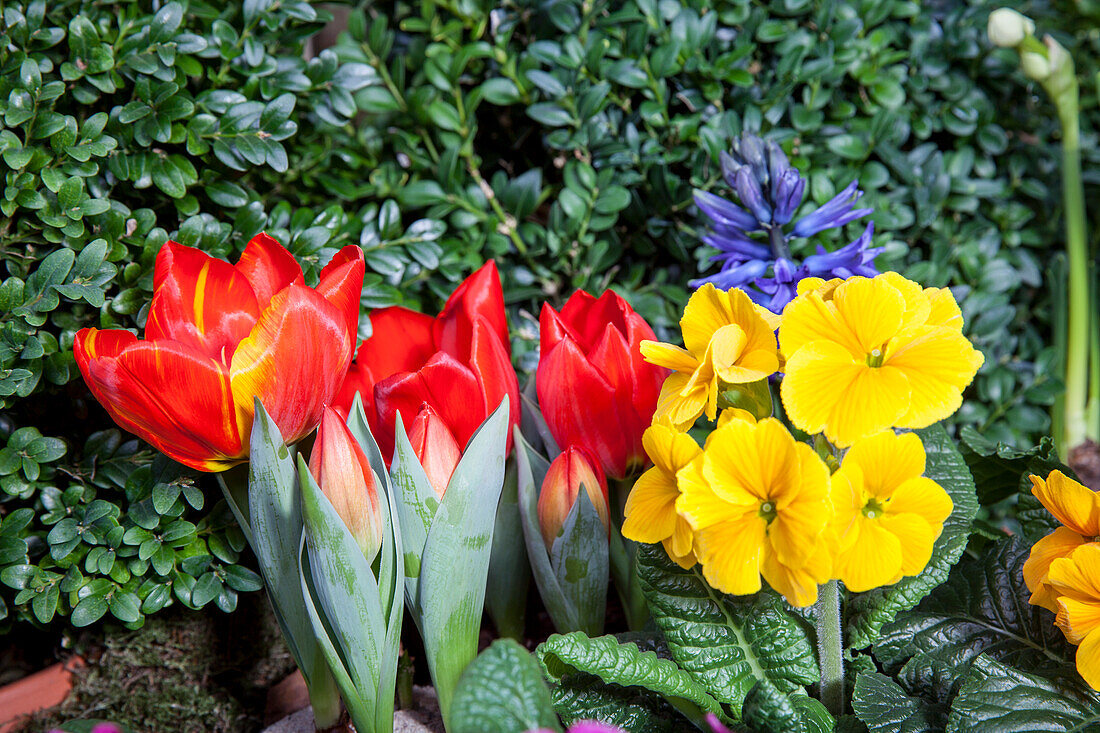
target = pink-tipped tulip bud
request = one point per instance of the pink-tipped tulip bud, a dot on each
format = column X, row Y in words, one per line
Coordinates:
column 435, row 446
column 561, row 487
column 345, row 476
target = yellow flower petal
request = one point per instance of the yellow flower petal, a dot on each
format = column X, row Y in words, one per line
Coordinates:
column 730, row 553
column 873, row 310
column 944, row 310
column 939, row 363
column 681, row 409
column 798, row 586
column 668, row 448
column 1088, row 660
column 825, row 390
column 924, row 498
column 872, row 560
column 707, row 311
column 917, row 305
column 1058, row 544
column 701, row 507
column 668, row 356
column 1072, row 504
column 915, row 536
column 1077, row 576
column 848, row 499
column 755, row 459
column 887, row 460
column 687, row 561
column 810, row 318
column 650, row 512
column 683, row 538
column 1077, row 619
column 735, row 413
column 803, row 510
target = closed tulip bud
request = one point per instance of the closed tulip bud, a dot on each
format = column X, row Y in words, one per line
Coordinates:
column 562, row 486
column 1007, row 28
column 345, row 477
column 435, row 447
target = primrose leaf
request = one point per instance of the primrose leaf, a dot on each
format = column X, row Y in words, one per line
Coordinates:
column 502, row 691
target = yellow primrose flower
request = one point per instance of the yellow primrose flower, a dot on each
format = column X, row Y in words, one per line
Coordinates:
column 758, row 503
column 727, row 339
column 887, row 515
column 1076, row 579
column 650, row 513
column 1078, row 509
column 877, row 353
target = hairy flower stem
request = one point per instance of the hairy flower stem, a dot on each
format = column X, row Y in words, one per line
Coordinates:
column 830, row 648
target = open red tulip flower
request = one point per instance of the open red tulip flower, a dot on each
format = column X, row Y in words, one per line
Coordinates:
column 459, row 363
column 595, row 389
column 217, row 337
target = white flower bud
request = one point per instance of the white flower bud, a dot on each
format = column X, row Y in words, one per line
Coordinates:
column 1035, row 65
column 1007, row 28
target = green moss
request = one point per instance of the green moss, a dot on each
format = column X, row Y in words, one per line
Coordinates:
column 183, row 671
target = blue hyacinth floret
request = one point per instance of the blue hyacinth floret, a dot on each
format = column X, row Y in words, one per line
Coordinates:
column 753, row 238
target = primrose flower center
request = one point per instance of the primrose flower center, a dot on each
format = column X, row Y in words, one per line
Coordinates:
column 768, row 511
column 873, row 509
column 874, row 359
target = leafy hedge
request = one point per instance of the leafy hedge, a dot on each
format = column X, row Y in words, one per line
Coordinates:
column 561, row 138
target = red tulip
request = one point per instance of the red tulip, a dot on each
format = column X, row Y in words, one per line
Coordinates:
column 595, row 389
column 571, row 470
column 458, row 362
column 220, row 335
column 345, row 477
column 435, row 447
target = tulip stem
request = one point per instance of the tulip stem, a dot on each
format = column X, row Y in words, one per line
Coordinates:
column 830, row 648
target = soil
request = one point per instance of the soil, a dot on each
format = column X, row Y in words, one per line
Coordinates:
column 1085, row 461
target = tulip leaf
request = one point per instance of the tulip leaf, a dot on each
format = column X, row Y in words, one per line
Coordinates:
column 579, row 560
column 455, row 561
column 726, row 643
column 866, row 613
column 509, row 570
column 625, row 665
column 417, row 504
column 995, row 698
column 273, row 526
column 346, row 596
column 503, row 691
column 532, row 471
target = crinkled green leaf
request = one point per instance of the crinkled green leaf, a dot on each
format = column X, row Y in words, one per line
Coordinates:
column 886, row 707
column 768, row 709
column 625, row 665
column 998, row 698
column 725, row 643
column 503, row 691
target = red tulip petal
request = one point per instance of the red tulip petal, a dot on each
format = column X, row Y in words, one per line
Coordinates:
column 496, row 377
column 342, row 283
column 445, row 384
column 580, row 407
column 588, row 316
column 400, row 341
column 294, row 360
column 479, row 296
column 552, row 329
column 268, row 267
column 199, row 301
column 359, row 379
column 613, row 359
column 165, row 393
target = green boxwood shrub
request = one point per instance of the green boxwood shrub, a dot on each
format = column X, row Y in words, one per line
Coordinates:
column 562, row 138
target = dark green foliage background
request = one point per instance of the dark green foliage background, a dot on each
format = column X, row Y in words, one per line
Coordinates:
column 561, row 138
